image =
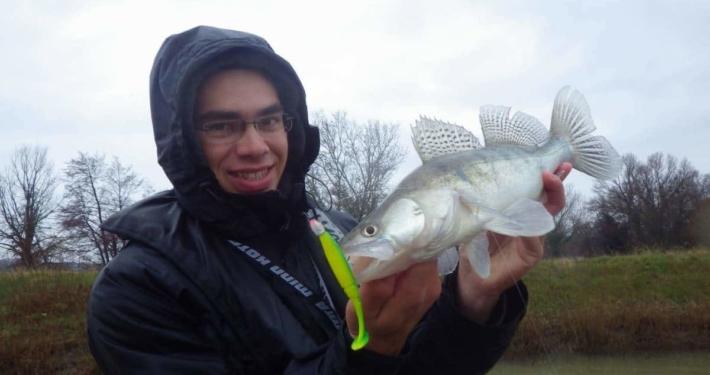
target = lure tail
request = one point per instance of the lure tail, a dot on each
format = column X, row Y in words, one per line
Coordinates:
column 345, row 277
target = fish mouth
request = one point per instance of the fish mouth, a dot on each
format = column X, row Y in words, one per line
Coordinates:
column 380, row 248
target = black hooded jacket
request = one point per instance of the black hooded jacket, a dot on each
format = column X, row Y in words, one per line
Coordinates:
column 195, row 289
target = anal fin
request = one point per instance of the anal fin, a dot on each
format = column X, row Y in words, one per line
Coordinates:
column 478, row 255
column 447, row 261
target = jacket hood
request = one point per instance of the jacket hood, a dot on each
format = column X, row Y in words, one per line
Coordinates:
column 183, row 62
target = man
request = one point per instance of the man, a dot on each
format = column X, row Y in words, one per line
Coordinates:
column 222, row 275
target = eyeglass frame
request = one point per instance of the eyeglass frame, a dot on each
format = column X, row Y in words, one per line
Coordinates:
column 287, row 122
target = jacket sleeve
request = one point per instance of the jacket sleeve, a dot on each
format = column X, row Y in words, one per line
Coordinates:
column 448, row 343
column 138, row 324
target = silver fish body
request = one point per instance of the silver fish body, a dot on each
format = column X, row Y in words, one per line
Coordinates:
column 454, row 198
column 497, row 175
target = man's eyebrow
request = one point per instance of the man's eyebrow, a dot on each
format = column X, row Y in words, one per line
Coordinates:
column 274, row 108
column 222, row 115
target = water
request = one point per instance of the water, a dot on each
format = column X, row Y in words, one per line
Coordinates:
column 647, row 364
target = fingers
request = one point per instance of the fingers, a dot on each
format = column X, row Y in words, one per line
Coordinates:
column 412, row 293
column 375, row 294
column 419, row 285
column 553, row 189
column 563, row 170
column 497, row 241
column 531, row 251
column 394, row 305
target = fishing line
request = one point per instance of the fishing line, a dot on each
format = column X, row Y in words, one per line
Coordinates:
column 328, row 193
column 526, row 304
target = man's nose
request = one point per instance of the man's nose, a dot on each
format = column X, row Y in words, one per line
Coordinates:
column 251, row 143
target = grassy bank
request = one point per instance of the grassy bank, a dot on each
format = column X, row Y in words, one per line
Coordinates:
column 651, row 301
column 640, row 303
column 42, row 323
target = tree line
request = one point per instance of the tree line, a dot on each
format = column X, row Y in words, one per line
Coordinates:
column 38, row 227
column 660, row 202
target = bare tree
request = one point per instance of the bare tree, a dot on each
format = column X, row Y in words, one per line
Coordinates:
column 355, row 164
column 95, row 190
column 123, row 185
column 26, row 206
column 652, row 203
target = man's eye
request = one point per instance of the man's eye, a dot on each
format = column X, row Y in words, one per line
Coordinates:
column 217, row 127
column 269, row 122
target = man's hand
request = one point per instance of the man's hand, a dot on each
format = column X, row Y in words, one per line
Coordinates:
column 394, row 305
column 511, row 257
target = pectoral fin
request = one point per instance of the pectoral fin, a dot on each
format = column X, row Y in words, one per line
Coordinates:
column 478, row 256
column 524, row 218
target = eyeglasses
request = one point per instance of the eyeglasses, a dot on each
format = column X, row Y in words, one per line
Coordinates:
column 231, row 130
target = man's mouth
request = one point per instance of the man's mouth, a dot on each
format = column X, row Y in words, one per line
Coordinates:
column 251, row 175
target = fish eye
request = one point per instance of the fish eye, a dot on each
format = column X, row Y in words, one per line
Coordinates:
column 369, row 230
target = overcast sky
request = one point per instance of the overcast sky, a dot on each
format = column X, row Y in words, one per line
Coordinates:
column 75, row 73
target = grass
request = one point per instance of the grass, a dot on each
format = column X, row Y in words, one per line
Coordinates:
column 646, row 302
column 649, row 301
column 42, row 320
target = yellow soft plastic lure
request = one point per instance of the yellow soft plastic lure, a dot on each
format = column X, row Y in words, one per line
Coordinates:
column 345, row 277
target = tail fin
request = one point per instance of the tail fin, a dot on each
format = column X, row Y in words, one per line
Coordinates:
column 572, row 121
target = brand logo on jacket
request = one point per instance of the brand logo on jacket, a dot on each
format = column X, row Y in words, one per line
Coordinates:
column 276, row 270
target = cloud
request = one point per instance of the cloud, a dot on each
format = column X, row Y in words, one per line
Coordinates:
column 76, row 76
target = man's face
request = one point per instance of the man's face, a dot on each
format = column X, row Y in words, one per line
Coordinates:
column 255, row 160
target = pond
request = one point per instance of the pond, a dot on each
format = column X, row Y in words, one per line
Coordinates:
column 647, row 364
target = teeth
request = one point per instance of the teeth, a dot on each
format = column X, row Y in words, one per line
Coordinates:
column 257, row 175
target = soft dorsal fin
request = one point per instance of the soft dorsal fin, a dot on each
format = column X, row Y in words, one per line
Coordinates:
column 522, row 129
column 434, row 138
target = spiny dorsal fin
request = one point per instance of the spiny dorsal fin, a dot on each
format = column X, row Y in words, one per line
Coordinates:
column 522, row 129
column 434, row 138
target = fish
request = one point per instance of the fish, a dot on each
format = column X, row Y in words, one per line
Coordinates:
column 464, row 189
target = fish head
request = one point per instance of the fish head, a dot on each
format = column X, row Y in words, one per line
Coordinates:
column 404, row 230
column 416, row 222
column 393, row 226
